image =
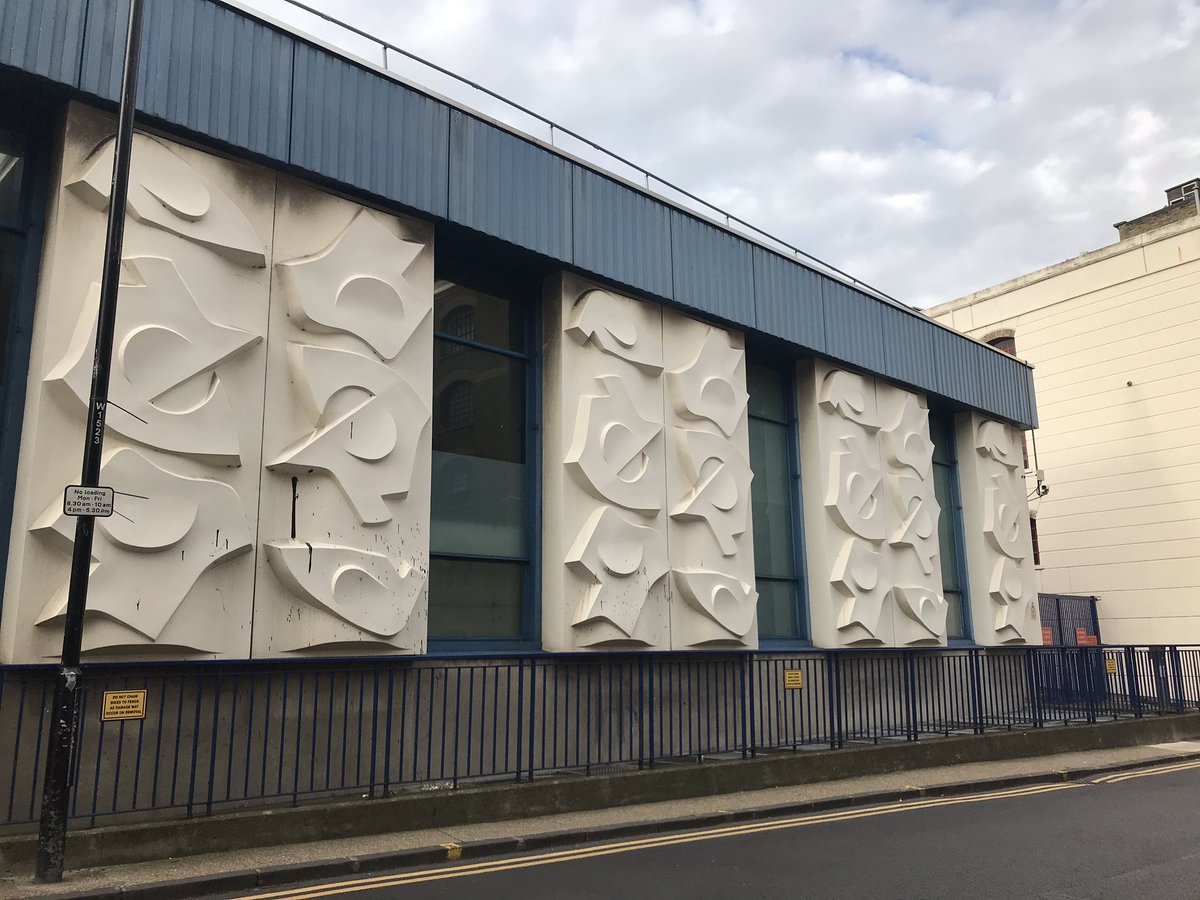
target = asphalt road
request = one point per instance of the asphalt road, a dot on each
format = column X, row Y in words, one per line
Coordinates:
column 1134, row 835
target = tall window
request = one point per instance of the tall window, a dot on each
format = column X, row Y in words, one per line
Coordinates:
column 12, row 167
column 774, row 496
column 480, row 566
column 950, row 548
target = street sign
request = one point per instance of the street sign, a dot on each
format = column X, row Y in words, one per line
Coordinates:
column 88, row 501
column 793, row 679
column 119, row 705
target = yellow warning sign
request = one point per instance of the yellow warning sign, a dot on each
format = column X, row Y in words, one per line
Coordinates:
column 123, row 705
column 1110, row 666
column 793, row 679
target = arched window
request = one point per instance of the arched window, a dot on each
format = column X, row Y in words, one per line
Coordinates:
column 458, row 405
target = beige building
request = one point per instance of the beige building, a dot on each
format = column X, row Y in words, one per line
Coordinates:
column 1114, row 336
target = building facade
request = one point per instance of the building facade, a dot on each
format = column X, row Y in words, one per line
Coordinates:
column 392, row 379
column 1114, row 336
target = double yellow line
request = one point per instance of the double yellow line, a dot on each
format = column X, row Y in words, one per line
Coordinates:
column 545, row 859
column 1142, row 773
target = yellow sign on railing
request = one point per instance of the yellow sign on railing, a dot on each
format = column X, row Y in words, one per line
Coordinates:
column 793, row 679
column 120, row 705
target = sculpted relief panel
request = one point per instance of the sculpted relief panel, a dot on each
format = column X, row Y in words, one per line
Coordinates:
column 872, row 540
column 172, row 571
column 996, row 519
column 645, row 477
column 315, row 542
column 345, row 496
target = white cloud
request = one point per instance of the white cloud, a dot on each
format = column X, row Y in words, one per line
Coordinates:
column 931, row 147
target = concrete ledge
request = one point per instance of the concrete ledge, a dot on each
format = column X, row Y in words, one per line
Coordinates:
column 123, row 844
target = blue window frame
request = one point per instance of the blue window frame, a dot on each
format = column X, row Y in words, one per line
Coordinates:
column 775, row 504
column 484, row 493
column 951, row 539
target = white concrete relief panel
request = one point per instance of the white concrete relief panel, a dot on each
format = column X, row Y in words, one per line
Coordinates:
column 709, row 535
column 605, row 559
column 344, row 517
column 872, row 538
column 173, row 568
column 646, row 479
column 999, row 544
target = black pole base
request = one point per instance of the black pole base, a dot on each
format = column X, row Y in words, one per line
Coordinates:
column 56, row 795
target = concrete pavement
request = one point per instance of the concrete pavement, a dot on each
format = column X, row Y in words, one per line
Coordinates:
column 242, row 870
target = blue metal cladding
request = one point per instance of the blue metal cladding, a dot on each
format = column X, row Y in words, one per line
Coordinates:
column 908, row 347
column 713, row 270
column 853, row 326
column 43, row 36
column 104, row 48
column 218, row 73
column 1031, row 415
column 368, row 131
column 621, row 232
column 509, row 188
column 789, row 301
column 956, row 363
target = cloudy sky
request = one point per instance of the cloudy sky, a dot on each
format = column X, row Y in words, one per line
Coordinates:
column 929, row 148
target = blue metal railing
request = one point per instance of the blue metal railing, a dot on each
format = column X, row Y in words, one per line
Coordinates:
column 220, row 736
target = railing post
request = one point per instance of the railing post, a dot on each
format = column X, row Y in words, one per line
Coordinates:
column 909, row 694
column 520, row 715
column 652, row 717
column 833, row 681
column 533, row 667
column 1132, row 686
column 752, row 675
column 1033, row 680
column 1083, row 661
column 1177, row 678
column 975, row 663
column 641, row 712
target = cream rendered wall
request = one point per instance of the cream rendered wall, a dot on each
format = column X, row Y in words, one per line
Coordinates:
column 245, row 299
column 1114, row 336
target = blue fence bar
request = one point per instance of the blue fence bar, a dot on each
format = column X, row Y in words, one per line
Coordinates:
column 221, row 736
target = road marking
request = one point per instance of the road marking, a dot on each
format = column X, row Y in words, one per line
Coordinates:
column 1144, row 773
column 484, row 868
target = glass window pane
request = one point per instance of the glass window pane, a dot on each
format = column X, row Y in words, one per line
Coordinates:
column 10, row 254
column 478, row 506
column 777, row 609
column 770, row 499
column 768, row 392
column 954, row 615
column 479, row 404
column 11, row 169
column 947, row 535
column 473, row 599
column 464, row 312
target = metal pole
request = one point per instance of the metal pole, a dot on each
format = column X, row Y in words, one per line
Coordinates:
column 52, row 836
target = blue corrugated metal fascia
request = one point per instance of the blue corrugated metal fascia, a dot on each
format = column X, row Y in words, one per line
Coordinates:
column 621, row 233
column 1031, row 413
column 712, row 270
column 853, row 326
column 908, row 347
column 213, row 71
column 44, row 37
column 367, row 131
column 788, row 300
column 104, row 48
column 958, row 369
column 509, row 188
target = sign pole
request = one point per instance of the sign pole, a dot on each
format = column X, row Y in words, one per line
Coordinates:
column 64, row 725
